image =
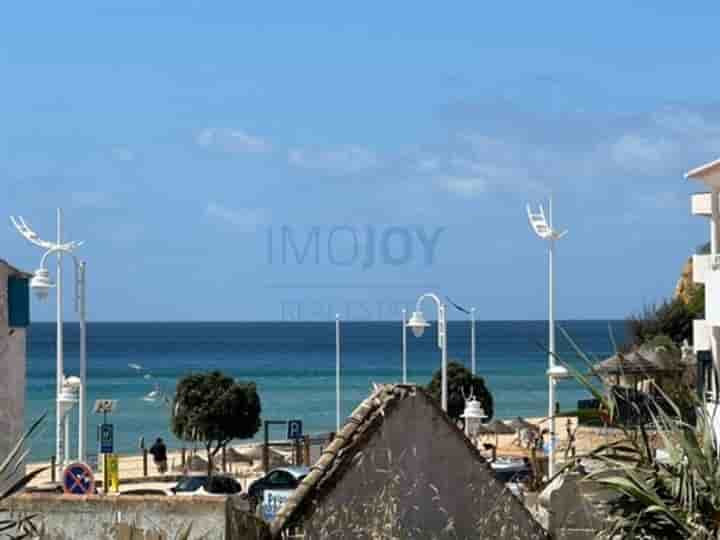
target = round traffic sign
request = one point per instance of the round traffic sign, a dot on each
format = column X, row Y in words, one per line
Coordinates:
column 78, row 479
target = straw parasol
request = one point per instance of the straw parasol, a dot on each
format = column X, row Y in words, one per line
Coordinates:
column 233, row 456
column 498, row 427
column 519, row 423
column 641, row 362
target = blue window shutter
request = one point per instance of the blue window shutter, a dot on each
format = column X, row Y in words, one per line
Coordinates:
column 18, row 302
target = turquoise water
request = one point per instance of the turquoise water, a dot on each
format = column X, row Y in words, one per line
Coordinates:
column 293, row 365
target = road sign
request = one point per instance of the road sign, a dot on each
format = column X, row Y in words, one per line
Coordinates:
column 273, row 501
column 78, row 479
column 294, row 429
column 106, row 439
column 105, row 406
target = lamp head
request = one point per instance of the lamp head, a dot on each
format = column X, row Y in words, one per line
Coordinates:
column 41, row 283
column 558, row 372
column 417, row 323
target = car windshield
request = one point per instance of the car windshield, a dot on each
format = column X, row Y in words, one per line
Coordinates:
column 191, row 483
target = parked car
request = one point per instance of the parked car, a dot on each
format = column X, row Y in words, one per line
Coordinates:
column 281, row 479
column 145, row 491
column 197, row 484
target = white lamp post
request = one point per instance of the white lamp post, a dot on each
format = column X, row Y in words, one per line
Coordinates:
column 41, row 285
column 337, row 374
column 404, row 346
column 472, row 340
column 543, row 228
column 418, row 324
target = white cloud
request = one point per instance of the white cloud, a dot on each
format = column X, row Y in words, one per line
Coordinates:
column 232, row 141
column 91, row 199
column 464, row 186
column 343, row 160
column 244, row 219
column 519, row 151
column 122, row 154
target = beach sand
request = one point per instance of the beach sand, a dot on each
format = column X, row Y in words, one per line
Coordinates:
column 131, row 466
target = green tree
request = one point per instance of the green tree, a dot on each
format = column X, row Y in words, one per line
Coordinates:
column 214, row 409
column 461, row 380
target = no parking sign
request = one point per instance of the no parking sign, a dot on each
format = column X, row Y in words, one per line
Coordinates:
column 78, row 479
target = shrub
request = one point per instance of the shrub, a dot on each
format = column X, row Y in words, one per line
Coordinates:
column 461, row 382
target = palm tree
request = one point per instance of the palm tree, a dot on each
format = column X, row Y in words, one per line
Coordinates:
column 11, row 483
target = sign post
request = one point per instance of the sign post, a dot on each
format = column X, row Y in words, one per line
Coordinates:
column 294, row 431
column 78, row 479
column 106, row 440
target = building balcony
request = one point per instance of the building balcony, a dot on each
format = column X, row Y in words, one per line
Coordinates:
column 701, row 336
column 701, row 204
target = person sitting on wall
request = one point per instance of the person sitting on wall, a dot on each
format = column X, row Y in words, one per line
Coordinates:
column 159, row 454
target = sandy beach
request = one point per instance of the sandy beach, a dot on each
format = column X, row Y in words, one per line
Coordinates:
column 131, row 465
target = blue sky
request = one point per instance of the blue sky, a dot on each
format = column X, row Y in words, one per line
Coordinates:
column 180, row 138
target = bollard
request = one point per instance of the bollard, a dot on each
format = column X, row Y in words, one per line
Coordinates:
column 224, row 460
column 53, row 472
column 306, row 441
column 145, row 459
column 266, row 457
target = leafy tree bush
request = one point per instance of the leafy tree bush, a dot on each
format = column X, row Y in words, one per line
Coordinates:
column 461, row 379
column 672, row 318
column 672, row 496
column 214, row 409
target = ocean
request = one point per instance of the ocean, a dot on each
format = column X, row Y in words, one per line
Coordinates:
column 293, row 364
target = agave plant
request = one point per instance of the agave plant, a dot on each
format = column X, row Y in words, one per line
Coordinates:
column 11, row 482
column 674, row 495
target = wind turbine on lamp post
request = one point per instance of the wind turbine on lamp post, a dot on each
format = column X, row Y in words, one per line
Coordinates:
column 544, row 229
column 66, row 387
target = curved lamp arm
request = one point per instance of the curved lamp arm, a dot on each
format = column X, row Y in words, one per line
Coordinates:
column 441, row 315
column 79, row 272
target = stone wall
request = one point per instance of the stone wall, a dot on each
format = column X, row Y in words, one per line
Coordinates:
column 122, row 517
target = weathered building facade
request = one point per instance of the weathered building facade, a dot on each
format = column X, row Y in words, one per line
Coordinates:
column 14, row 319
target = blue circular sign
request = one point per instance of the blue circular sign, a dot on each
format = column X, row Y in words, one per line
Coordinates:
column 78, row 479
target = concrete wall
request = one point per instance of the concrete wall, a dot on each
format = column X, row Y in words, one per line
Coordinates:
column 12, row 374
column 419, row 475
column 122, row 517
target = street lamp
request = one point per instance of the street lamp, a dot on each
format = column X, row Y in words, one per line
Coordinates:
column 471, row 312
column 418, row 324
column 404, row 346
column 544, row 229
column 41, row 284
column 473, row 414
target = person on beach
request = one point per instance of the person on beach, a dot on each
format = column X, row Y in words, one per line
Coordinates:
column 159, row 454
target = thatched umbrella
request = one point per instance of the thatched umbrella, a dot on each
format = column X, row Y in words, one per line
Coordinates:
column 233, row 456
column 642, row 362
column 498, row 427
column 518, row 424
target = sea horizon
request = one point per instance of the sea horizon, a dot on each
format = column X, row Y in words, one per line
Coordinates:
column 293, row 365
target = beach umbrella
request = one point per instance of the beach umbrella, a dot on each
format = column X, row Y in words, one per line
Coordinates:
column 233, row 456
column 519, row 424
column 498, row 427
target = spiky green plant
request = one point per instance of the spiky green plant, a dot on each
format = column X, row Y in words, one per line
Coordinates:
column 676, row 496
column 11, row 483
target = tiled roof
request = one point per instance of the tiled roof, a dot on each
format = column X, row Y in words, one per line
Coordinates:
column 337, row 457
